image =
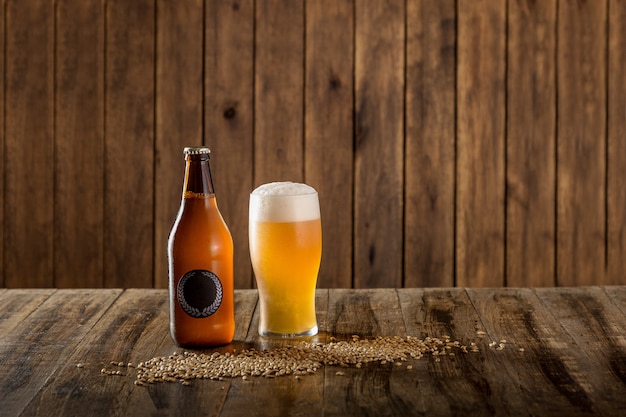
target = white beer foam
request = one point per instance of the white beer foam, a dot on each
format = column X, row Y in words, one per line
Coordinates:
column 284, row 202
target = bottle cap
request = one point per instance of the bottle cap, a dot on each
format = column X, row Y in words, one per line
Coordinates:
column 197, row 150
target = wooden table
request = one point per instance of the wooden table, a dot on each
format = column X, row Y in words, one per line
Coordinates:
column 564, row 355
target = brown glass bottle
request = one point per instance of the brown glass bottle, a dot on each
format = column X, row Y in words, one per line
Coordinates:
column 200, row 256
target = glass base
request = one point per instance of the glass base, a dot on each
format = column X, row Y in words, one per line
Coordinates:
column 311, row 332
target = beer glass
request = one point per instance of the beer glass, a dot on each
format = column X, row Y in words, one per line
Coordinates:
column 285, row 235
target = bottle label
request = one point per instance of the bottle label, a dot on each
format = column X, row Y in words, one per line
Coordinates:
column 199, row 293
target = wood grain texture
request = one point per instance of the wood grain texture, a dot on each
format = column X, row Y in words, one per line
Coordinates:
column 328, row 145
column 531, row 144
column 558, row 377
column 589, row 317
column 618, row 296
column 229, row 117
column 430, row 144
column 616, row 151
column 41, row 343
column 463, row 384
column 572, row 363
column 581, row 153
column 179, row 86
column 468, row 143
column 79, row 143
column 366, row 313
column 379, row 143
column 16, row 305
column 2, row 135
column 29, row 144
column 128, row 332
column 129, row 144
column 279, row 95
column 480, row 176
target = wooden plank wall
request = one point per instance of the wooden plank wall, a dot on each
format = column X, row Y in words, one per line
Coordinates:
column 452, row 142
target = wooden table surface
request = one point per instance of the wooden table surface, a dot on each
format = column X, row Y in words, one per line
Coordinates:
column 564, row 355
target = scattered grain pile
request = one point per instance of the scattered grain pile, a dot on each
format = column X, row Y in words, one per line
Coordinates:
column 299, row 359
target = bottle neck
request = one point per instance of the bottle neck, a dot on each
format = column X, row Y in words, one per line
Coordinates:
column 198, row 181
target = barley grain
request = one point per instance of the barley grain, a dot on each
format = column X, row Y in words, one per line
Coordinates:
column 298, row 359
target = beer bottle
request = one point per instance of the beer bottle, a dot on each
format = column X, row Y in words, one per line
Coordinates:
column 200, row 257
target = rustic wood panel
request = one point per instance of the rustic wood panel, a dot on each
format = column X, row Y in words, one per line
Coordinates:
column 430, row 143
column 465, row 143
column 379, row 144
column 40, row 342
column 179, row 82
column 581, row 137
column 328, row 145
column 130, row 333
column 463, row 384
column 2, row 135
column 572, row 362
column 129, row 144
column 531, row 144
column 562, row 375
column 229, row 117
column 278, row 87
column 368, row 314
column 16, row 305
column 618, row 296
column 79, row 142
column 616, row 147
column 589, row 317
column 480, row 173
column 29, row 147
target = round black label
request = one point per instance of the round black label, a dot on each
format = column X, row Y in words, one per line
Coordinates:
column 199, row 293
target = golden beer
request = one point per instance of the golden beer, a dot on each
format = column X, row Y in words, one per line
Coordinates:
column 285, row 249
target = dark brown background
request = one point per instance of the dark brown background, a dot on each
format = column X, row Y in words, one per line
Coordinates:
column 468, row 143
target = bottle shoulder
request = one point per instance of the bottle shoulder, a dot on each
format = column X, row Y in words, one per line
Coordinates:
column 200, row 216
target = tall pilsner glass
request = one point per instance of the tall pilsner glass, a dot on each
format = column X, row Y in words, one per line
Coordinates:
column 285, row 234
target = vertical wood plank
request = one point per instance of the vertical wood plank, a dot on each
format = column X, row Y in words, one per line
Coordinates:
column 480, row 143
column 616, row 171
column 29, row 145
column 328, row 131
column 379, row 147
column 531, row 144
column 79, row 133
column 430, row 142
column 178, row 113
column 581, row 153
column 229, row 117
column 129, row 144
column 278, row 86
